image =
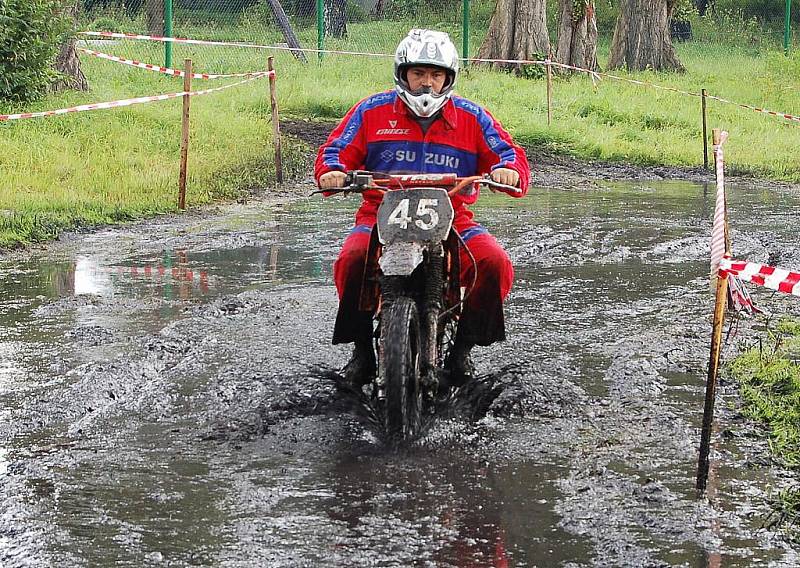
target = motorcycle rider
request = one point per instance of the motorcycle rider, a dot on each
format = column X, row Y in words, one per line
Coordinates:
column 422, row 127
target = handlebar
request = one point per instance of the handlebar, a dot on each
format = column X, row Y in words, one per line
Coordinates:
column 359, row 181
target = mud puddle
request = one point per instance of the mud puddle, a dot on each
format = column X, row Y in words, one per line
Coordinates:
column 167, row 397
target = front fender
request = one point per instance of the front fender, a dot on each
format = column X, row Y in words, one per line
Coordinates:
column 401, row 258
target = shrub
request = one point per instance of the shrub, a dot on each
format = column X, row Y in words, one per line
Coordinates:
column 30, row 34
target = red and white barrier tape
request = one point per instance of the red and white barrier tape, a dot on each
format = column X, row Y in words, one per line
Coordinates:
column 180, row 274
column 770, row 277
column 757, row 109
column 593, row 74
column 125, row 102
column 228, row 44
column 720, row 208
column 165, row 70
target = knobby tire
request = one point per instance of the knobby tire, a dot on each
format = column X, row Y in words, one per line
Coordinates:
column 400, row 368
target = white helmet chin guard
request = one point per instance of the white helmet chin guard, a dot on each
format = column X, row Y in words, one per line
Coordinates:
column 428, row 48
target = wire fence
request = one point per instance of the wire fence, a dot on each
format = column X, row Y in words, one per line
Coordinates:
column 376, row 26
column 372, row 26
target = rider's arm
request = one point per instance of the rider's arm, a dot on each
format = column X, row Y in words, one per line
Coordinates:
column 498, row 152
column 344, row 150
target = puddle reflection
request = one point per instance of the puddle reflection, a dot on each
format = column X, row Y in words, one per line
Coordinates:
column 173, row 277
column 472, row 513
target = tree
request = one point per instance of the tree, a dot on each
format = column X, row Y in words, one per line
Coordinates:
column 379, row 8
column 30, row 35
column 67, row 62
column 518, row 30
column 335, row 18
column 577, row 34
column 642, row 36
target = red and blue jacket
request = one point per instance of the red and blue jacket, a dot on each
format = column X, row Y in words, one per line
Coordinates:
column 381, row 134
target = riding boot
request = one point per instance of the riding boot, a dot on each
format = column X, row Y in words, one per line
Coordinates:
column 459, row 364
column 361, row 368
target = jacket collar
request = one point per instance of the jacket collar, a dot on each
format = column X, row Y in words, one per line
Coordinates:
column 448, row 112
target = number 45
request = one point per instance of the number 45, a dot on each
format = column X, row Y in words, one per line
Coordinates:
column 425, row 208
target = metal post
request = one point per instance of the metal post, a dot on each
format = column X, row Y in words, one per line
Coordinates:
column 168, row 33
column 549, row 90
column 705, row 130
column 787, row 27
column 465, row 31
column 320, row 27
column 276, row 127
column 187, row 87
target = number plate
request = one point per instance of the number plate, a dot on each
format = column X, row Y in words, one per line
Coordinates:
column 417, row 215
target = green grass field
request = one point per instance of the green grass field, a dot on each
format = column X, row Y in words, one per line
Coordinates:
column 111, row 165
column 769, row 383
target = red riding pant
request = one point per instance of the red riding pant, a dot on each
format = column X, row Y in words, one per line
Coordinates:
column 481, row 320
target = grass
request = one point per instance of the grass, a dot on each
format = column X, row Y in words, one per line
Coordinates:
column 108, row 166
column 769, row 383
column 115, row 165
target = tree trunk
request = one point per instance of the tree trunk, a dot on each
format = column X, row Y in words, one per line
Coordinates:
column 577, row 34
column 642, row 37
column 378, row 8
column 518, row 30
column 155, row 17
column 67, row 62
column 286, row 28
column 335, row 18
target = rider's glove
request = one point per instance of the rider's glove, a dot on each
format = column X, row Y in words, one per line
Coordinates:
column 332, row 180
column 506, row 176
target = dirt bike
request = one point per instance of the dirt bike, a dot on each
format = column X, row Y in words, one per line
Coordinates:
column 412, row 285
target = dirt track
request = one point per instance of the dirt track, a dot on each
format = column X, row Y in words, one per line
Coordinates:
column 167, row 394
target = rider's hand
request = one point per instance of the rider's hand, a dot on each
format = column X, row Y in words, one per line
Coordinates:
column 506, row 176
column 332, row 180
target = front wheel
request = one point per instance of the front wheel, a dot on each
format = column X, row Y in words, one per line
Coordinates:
column 400, row 368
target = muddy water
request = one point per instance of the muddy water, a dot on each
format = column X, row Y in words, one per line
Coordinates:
column 167, row 398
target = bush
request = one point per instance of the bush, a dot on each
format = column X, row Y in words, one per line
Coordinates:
column 30, row 34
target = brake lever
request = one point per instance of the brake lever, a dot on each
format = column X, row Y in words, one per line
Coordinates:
column 505, row 188
column 334, row 190
column 356, row 181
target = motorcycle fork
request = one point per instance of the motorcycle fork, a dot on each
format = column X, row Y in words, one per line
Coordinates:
column 430, row 307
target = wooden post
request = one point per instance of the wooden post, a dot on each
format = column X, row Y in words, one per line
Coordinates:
column 720, row 301
column 549, row 91
column 187, row 87
column 705, row 130
column 276, row 127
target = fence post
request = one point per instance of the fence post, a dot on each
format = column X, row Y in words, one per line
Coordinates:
column 787, row 27
column 187, row 87
column 705, row 130
column 720, row 301
column 320, row 27
column 465, row 32
column 168, row 33
column 276, row 127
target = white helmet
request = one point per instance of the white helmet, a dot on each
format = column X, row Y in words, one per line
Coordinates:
column 425, row 47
